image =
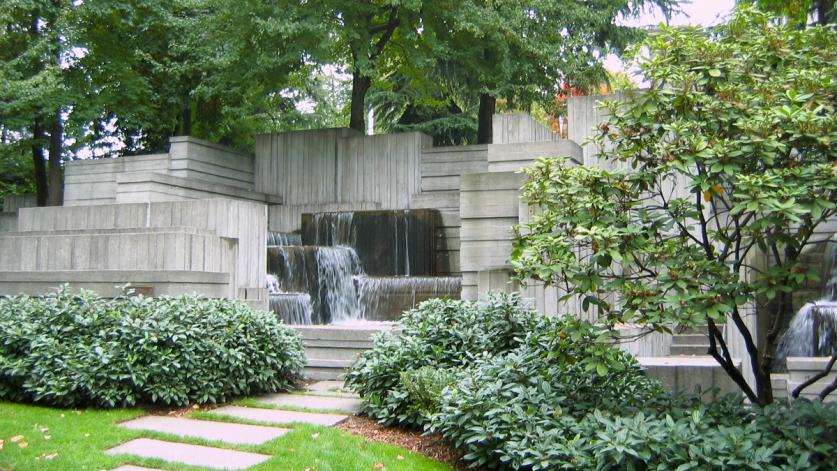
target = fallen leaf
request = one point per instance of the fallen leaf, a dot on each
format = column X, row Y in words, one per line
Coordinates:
column 1, row 444
column 23, row 444
column 379, row 466
column 16, row 438
column 399, row 457
column 62, row 416
column 51, row 456
column 86, row 435
column 44, row 429
column 315, row 435
column 47, row 437
column 292, row 450
column 196, row 407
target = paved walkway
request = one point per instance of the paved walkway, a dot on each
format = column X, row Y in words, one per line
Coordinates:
column 322, row 403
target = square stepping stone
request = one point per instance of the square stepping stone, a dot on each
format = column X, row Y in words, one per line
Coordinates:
column 236, row 434
column 348, row 405
column 329, row 388
column 279, row 416
column 195, row 455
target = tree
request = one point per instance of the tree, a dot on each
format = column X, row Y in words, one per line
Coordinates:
column 741, row 122
column 524, row 50
column 797, row 11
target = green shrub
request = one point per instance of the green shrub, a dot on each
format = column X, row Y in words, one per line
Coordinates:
column 78, row 349
column 504, row 411
column 439, row 334
column 565, row 400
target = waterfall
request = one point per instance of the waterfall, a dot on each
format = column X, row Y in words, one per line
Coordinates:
column 348, row 267
column 813, row 330
column 336, row 269
column 275, row 239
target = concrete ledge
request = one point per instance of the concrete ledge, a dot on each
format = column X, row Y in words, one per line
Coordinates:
column 513, row 157
column 682, row 374
column 108, row 283
column 132, row 187
column 492, row 181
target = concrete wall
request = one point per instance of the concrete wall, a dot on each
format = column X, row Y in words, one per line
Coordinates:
column 94, row 181
column 337, row 166
column 12, row 203
column 800, row 369
column 242, row 221
column 514, row 128
column 192, row 169
column 199, row 159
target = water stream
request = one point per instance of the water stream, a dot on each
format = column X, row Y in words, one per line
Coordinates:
column 813, row 330
column 327, row 282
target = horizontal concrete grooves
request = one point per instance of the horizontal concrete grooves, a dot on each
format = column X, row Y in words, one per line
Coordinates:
column 322, row 403
column 240, row 222
column 513, row 157
column 159, row 250
column 150, row 186
column 236, row 434
column 196, row 158
column 278, row 416
column 8, row 222
column 689, row 349
column 691, row 339
column 488, row 207
column 779, row 384
column 106, row 282
column 442, row 166
column 801, row 369
column 94, row 181
column 435, row 200
column 195, row 455
column 682, row 374
column 331, row 349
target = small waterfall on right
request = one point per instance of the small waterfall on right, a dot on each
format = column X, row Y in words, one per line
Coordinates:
column 813, row 330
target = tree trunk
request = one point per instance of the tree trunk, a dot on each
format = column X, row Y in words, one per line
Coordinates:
column 56, row 141
column 186, row 120
column 825, row 11
column 360, row 85
column 486, row 117
column 38, row 138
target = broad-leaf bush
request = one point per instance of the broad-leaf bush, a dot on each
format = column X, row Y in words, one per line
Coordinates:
column 72, row 349
column 440, row 334
column 520, row 409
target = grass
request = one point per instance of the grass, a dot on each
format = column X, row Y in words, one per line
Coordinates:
column 79, row 437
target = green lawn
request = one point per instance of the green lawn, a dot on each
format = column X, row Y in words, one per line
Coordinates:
column 80, row 437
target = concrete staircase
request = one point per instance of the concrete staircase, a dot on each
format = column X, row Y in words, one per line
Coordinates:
column 691, row 342
column 331, row 349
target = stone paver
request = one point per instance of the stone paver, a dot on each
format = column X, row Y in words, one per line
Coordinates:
column 195, row 455
column 236, row 434
column 329, row 388
column 279, row 416
column 347, row 405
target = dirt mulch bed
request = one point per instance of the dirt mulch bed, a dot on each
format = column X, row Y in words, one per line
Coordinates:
column 432, row 446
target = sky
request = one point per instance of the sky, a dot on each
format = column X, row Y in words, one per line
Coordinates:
column 695, row 12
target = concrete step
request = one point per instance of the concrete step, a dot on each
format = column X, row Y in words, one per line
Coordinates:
column 333, row 352
column 435, row 200
column 690, row 339
column 688, row 349
column 195, row 455
column 324, row 373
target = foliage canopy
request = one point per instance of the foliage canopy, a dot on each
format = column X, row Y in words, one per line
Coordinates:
column 729, row 154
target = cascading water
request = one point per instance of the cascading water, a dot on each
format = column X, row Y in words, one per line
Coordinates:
column 328, row 282
column 813, row 330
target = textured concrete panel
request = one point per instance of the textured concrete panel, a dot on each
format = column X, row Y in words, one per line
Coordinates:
column 236, row 434
column 195, row 455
